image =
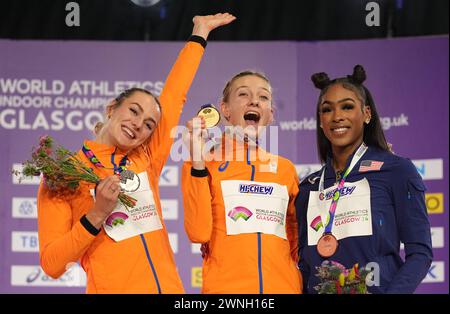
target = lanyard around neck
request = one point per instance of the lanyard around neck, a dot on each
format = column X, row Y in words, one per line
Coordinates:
column 96, row 162
column 337, row 194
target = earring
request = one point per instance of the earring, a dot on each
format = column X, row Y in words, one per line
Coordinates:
column 367, row 121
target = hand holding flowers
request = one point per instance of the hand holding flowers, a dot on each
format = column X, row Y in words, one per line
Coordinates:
column 62, row 170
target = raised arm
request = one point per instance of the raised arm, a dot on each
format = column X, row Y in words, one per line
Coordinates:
column 176, row 87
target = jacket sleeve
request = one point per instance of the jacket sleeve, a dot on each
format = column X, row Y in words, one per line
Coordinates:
column 172, row 99
column 291, row 218
column 413, row 227
column 197, row 200
column 61, row 240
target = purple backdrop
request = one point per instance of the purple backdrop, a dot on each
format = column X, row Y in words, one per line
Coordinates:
column 408, row 78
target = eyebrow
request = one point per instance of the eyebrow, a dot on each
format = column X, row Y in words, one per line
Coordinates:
column 245, row 86
column 339, row 101
column 142, row 110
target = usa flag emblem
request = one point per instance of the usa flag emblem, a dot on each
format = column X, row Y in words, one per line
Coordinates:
column 370, row 165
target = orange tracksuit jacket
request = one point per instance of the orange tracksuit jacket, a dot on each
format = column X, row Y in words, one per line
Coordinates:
column 244, row 263
column 141, row 264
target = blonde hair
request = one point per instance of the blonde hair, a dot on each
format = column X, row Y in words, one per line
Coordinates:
column 227, row 89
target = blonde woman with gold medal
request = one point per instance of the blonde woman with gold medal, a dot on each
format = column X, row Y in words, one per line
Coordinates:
column 239, row 199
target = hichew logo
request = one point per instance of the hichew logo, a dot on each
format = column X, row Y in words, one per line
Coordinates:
column 344, row 191
column 255, row 189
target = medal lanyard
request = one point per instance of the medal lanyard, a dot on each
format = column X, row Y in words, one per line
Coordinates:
column 337, row 194
column 96, row 162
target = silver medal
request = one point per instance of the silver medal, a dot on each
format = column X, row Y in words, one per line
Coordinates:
column 129, row 181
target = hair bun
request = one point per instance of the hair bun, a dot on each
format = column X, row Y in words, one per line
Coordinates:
column 320, row 80
column 359, row 74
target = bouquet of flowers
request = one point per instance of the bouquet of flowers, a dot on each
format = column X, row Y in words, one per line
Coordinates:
column 62, row 170
column 336, row 279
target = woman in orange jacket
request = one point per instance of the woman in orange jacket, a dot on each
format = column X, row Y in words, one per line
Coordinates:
column 239, row 199
column 124, row 250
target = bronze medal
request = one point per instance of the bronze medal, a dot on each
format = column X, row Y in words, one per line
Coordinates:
column 327, row 245
column 210, row 114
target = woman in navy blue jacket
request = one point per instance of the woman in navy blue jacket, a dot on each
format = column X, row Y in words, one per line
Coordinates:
column 380, row 200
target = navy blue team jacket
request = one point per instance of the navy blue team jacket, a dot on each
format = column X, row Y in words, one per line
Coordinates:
column 398, row 215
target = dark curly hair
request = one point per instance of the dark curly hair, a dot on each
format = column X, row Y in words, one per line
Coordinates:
column 373, row 131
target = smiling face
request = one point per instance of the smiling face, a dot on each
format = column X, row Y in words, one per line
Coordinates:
column 248, row 103
column 342, row 117
column 132, row 122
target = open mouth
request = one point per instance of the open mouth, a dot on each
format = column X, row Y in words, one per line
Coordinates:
column 251, row 117
column 128, row 132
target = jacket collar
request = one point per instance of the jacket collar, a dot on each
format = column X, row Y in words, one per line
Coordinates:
column 330, row 173
column 235, row 148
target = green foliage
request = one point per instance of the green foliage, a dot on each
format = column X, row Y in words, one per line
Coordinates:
column 62, row 170
column 336, row 279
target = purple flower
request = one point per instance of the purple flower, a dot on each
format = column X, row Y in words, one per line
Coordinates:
column 338, row 265
column 43, row 139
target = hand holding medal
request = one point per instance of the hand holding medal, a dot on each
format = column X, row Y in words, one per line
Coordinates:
column 129, row 181
column 207, row 117
column 210, row 115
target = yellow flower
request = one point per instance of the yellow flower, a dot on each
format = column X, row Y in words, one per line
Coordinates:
column 341, row 279
column 352, row 274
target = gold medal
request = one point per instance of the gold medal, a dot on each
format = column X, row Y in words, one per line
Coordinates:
column 210, row 114
column 327, row 245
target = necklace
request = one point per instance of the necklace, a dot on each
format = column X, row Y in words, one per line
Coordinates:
column 338, row 175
